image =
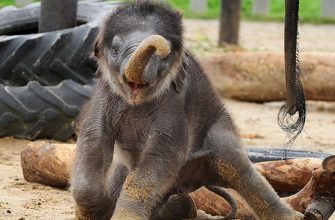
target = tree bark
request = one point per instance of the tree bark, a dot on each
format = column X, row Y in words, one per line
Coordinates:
column 56, row 15
column 229, row 22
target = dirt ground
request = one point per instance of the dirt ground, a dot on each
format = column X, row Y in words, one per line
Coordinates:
column 256, row 122
column 261, row 36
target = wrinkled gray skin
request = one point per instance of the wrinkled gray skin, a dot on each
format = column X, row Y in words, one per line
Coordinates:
column 138, row 156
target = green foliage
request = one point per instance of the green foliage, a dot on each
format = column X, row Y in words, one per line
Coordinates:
column 6, row 2
column 309, row 10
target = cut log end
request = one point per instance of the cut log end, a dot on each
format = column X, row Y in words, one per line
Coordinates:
column 48, row 163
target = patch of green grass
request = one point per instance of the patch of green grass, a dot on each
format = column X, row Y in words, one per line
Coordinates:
column 6, row 2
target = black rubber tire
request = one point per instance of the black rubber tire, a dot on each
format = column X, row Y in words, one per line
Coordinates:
column 36, row 111
column 48, row 57
column 270, row 154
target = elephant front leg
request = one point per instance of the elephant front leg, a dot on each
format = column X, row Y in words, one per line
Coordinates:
column 152, row 178
column 142, row 190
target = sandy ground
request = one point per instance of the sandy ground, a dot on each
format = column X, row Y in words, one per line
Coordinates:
column 22, row 200
column 256, row 122
column 260, row 36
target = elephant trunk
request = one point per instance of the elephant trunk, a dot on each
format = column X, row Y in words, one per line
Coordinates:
column 154, row 44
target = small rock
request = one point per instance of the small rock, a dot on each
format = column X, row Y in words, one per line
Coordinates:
column 9, row 211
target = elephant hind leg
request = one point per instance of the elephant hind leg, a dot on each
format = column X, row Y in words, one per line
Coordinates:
column 178, row 206
column 231, row 167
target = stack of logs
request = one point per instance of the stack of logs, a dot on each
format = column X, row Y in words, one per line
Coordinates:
column 310, row 182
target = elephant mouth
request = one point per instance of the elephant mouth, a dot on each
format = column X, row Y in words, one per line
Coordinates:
column 136, row 88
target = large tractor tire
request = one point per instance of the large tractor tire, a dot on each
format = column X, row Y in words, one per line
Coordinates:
column 35, row 111
column 50, row 57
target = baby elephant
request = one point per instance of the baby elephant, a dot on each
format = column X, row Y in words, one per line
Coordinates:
column 155, row 129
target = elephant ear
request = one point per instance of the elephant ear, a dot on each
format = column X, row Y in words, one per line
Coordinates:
column 179, row 82
column 98, row 47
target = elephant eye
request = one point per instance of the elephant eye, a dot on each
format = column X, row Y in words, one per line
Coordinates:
column 115, row 51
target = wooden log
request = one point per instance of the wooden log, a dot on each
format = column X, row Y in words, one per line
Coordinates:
column 321, row 183
column 51, row 163
column 288, row 176
column 48, row 163
column 321, row 207
column 260, row 77
column 213, row 204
